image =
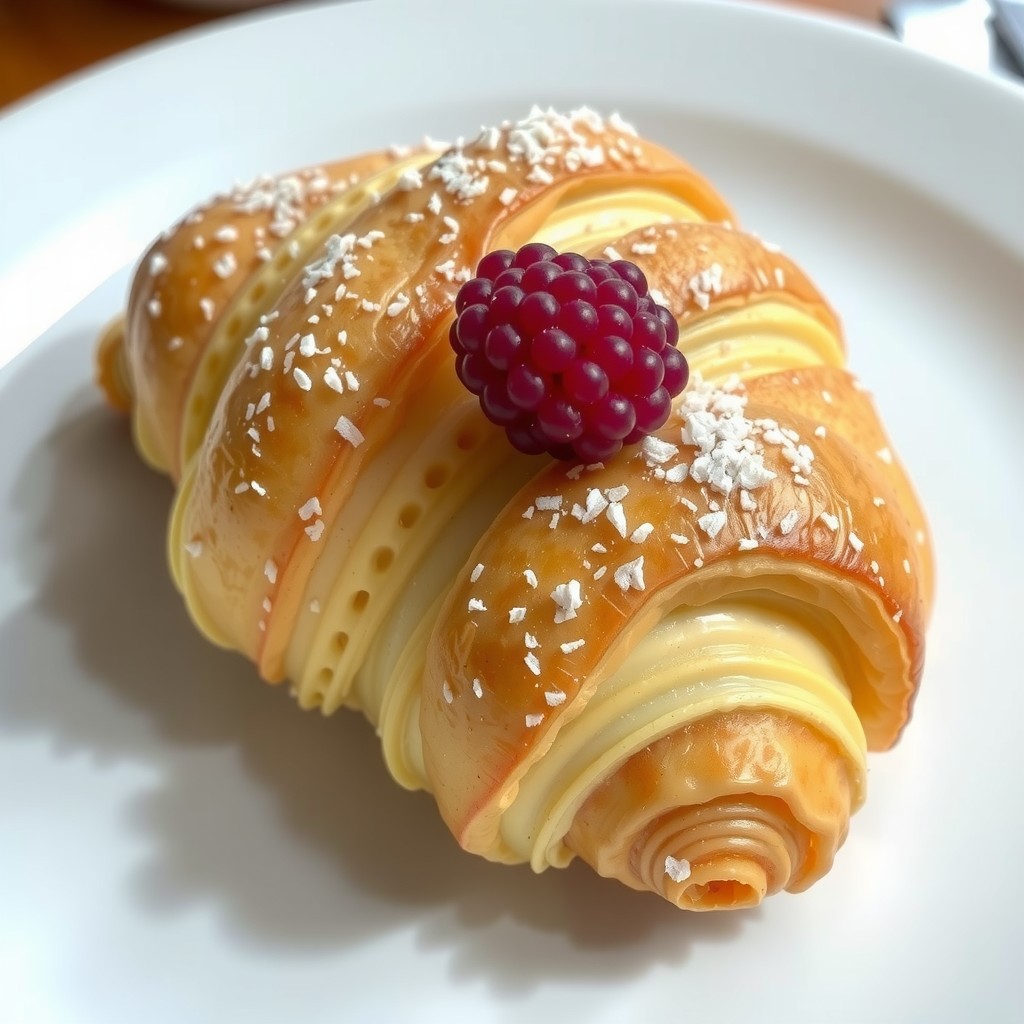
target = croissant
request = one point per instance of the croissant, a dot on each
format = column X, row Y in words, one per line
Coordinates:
column 670, row 663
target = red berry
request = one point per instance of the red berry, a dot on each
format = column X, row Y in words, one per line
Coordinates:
column 535, row 252
column 571, row 285
column 494, row 263
column 572, row 261
column 552, row 350
column 481, row 290
column 538, row 311
column 472, row 327
column 585, row 382
column 613, row 417
column 504, row 304
column 526, row 388
column 502, row 346
column 560, row 421
column 571, row 356
column 631, row 274
column 539, row 276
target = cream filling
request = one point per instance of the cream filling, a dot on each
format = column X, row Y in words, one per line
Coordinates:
column 763, row 336
column 749, row 653
column 588, row 221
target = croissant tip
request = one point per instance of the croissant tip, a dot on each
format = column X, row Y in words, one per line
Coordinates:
column 733, row 883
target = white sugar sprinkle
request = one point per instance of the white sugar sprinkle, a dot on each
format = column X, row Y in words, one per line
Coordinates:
column 531, row 641
column 349, row 431
column 698, row 563
column 885, row 455
column 194, row 548
column 617, row 517
column 307, row 346
column 477, row 572
column 446, row 692
column 906, row 566
column 572, row 645
column 302, row 378
column 831, row 521
column 878, row 502
column 532, row 721
column 310, row 508
column 270, row 570
column 677, row 870
column 532, row 663
column 630, row 576
column 400, row 302
column 747, row 544
column 333, row 381
column 641, row 533
column 548, row 503
column 476, row 605
column 259, row 488
column 225, row 266
column 531, row 577
column 712, row 523
column 266, row 358
column 600, row 572
column 314, row 606
column 315, row 530
column 554, row 698
column 855, row 542
column 507, row 196
column 516, row 615
column 679, row 538
column 568, row 599
column 819, row 431
column 656, row 451
column 478, row 690
column 788, row 522
column 898, row 615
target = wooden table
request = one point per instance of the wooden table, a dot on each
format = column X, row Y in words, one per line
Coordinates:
column 43, row 40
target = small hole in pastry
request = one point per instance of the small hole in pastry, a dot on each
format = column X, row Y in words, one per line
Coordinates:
column 360, row 600
column 323, row 220
column 382, row 559
column 282, row 259
column 467, row 440
column 339, row 644
column 408, row 516
column 436, row 475
column 258, row 292
column 234, row 325
column 214, row 365
column 323, row 680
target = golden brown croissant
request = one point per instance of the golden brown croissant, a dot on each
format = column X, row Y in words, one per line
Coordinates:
column 670, row 663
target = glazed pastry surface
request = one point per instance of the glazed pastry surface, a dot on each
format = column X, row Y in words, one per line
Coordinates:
column 671, row 664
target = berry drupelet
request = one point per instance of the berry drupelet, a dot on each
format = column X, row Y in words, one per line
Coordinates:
column 571, row 356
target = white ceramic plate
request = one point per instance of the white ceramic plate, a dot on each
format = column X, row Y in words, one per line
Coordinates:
column 179, row 844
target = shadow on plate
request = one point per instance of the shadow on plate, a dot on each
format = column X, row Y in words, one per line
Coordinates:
column 285, row 822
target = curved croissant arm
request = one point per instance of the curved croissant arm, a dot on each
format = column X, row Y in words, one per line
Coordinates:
column 757, row 628
column 348, row 519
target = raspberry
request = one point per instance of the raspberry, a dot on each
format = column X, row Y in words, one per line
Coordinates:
column 571, row 356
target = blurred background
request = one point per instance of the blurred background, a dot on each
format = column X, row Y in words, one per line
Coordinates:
column 41, row 41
